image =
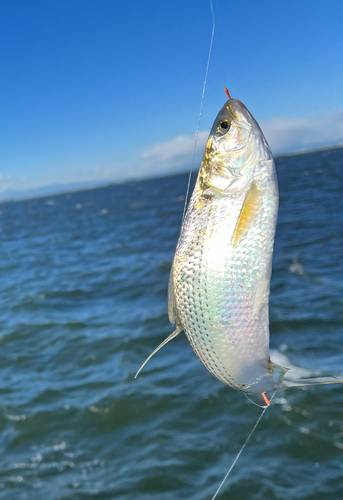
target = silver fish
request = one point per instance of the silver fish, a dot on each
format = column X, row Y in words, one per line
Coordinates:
column 220, row 278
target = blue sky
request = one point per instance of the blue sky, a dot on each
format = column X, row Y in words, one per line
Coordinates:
column 99, row 90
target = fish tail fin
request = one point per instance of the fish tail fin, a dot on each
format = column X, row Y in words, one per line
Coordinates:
column 278, row 375
column 171, row 336
column 311, row 381
column 279, row 370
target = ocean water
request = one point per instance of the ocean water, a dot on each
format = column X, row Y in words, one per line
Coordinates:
column 83, row 302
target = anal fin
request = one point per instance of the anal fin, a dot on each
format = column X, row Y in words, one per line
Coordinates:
column 170, row 337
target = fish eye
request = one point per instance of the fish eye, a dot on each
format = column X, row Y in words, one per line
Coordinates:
column 223, row 126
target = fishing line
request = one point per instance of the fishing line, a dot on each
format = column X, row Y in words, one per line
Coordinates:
column 241, row 450
column 183, row 216
column 201, row 106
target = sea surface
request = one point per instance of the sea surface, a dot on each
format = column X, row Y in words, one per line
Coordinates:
column 83, row 294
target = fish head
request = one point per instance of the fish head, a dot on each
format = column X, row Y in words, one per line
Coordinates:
column 235, row 146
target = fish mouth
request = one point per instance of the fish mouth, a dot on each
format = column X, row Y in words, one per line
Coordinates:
column 229, row 97
column 238, row 113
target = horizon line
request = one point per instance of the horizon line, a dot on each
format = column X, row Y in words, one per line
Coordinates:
column 103, row 184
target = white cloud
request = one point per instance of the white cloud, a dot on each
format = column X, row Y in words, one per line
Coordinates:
column 95, row 174
column 294, row 135
column 8, row 181
column 175, row 155
column 282, row 135
column 180, row 146
column 17, row 186
column 172, row 155
column 4, row 182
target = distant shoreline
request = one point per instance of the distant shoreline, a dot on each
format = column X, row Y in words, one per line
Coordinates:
column 57, row 190
column 309, row 151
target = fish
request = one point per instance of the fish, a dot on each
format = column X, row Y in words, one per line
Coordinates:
column 219, row 285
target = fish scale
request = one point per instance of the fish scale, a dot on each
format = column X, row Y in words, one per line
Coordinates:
column 221, row 318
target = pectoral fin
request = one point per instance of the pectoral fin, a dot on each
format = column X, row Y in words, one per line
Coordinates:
column 171, row 336
column 248, row 212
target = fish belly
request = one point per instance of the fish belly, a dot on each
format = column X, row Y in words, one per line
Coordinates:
column 221, row 286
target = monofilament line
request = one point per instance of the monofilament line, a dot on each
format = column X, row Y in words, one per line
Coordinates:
column 241, row 450
column 201, row 106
